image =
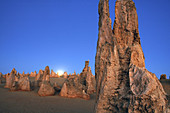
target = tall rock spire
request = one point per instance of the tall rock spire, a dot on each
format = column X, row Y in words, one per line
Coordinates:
column 126, row 31
column 122, row 82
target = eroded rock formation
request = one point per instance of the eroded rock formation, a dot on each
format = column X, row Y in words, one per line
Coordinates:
column 74, row 73
column 72, row 88
column 46, row 89
column 87, row 79
column 123, row 83
column 21, row 83
column 79, row 86
column 53, row 74
column 10, row 78
column 24, row 83
column 38, row 78
column 56, row 87
column 163, row 77
column 65, row 75
column 33, row 74
column 1, row 77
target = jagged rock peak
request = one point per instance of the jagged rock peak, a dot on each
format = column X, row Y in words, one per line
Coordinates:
column 87, row 63
column 104, row 7
column 14, row 71
column 46, row 89
column 122, row 82
column 126, row 33
column 47, row 70
column 163, row 77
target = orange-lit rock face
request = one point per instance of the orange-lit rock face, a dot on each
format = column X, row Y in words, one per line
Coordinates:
column 46, row 89
column 33, row 74
column 87, row 79
column 73, row 89
column 79, row 86
column 126, row 33
column 123, row 83
column 65, row 75
column 10, row 79
column 163, row 77
column 24, row 84
column 53, row 74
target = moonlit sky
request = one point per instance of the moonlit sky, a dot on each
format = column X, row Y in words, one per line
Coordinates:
column 63, row 34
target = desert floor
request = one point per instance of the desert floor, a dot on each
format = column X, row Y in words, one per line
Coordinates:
column 30, row 102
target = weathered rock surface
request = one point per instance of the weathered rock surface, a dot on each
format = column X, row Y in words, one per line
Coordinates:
column 38, row 79
column 3, row 78
column 39, row 75
column 24, row 84
column 57, row 87
column 33, row 74
column 21, row 83
column 163, row 77
column 53, row 74
column 73, row 89
column 65, row 75
column 123, row 83
column 87, row 79
column 79, row 86
column 46, row 89
column 10, row 78
column 74, row 73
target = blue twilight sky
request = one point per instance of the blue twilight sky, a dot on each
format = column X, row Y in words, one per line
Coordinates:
column 63, row 34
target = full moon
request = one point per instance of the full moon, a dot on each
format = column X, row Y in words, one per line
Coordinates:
column 60, row 72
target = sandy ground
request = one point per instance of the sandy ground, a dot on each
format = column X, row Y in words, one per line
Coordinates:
column 30, row 102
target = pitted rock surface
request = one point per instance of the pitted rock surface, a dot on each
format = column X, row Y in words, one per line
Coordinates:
column 123, row 83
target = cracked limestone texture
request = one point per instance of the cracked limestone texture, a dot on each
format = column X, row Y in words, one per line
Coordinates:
column 123, row 83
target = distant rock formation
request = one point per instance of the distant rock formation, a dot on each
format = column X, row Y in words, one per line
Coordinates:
column 21, row 83
column 24, row 84
column 19, row 74
column 65, row 75
column 87, row 79
column 10, row 78
column 79, row 86
column 38, row 78
column 163, row 77
column 74, row 73
column 73, row 89
column 33, row 74
column 57, row 87
column 123, row 83
column 46, row 89
column 53, row 74
column 39, row 75
column 1, row 77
